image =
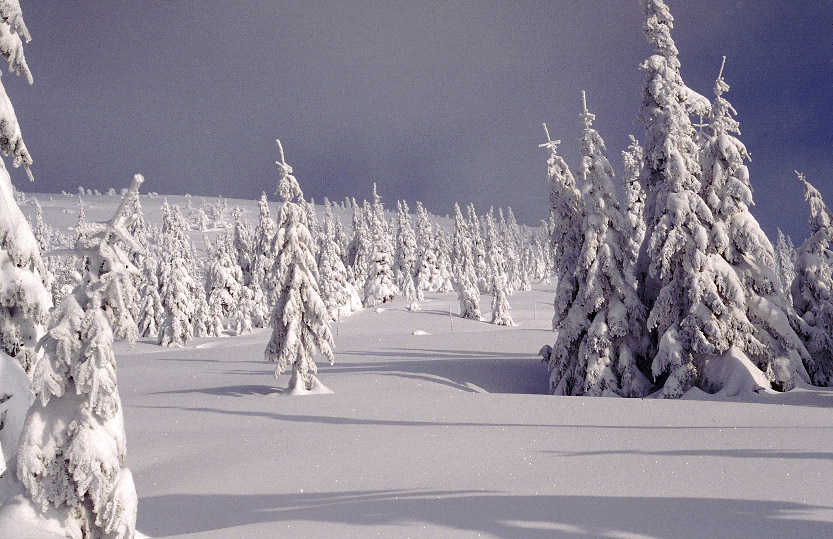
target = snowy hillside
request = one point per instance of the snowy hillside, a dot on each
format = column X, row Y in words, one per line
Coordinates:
column 440, row 427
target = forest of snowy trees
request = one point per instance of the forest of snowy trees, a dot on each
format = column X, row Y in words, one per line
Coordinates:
column 665, row 282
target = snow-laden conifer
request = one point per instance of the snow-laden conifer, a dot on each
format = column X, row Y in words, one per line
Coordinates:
column 405, row 257
column 339, row 295
column 464, row 274
column 151, row 312
column 444, row 281
column 72, row 449
column 177, row 280
column 676, row 278
column 813, row 285
column 634, row 204
column 359, row 250
column 500, row 305
column 601, row 320
column 300, row 321
column 380, row 287
column 762, row 324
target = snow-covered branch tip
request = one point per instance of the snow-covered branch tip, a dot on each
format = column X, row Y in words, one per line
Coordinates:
column 549, row 144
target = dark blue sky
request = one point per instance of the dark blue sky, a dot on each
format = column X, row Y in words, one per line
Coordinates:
column 439, row 101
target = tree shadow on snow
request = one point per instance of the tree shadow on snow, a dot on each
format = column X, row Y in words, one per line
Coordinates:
column 227, row 391
column 719, row 453
column 467, row 370
column 528, row 516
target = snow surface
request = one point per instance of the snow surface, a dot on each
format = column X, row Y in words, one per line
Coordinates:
column 448, row 433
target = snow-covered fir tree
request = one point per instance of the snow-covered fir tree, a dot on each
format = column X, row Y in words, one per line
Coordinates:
column 177, row 280
column 242, row 246
column 762, row 323
column 151, row 313
column 359, row 250
column 223, row 276
column 72, row 449
column 241, row 321
column 380, row 287
column 673, row 270
column 300, row 321
column 426, row 267
column 478, row 249
column 601, row 321
column 813, row 285
column 500, row 305
column 443, row 279
column 339, row 295
column 464, row 274
column 405, row 257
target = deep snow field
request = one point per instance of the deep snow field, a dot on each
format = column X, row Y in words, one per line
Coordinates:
column 439, row 427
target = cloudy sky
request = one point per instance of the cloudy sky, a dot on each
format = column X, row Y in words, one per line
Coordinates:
column 438, row 101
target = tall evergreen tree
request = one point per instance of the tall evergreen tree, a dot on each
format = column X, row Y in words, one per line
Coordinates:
column 812, row 288
column 177, row 280
column 300, row 321
column 72, row 449
column 762, row 323
column 785, row 257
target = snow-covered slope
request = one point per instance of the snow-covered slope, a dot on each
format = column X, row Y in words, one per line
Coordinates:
column 439, row 427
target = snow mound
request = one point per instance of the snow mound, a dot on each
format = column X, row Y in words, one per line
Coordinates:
column 317, row 389
column 420, row 332
column 732, row 374
column 15, row 399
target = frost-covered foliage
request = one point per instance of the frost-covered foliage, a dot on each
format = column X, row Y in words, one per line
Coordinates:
column 478, row 250
column 224, row 278
column 177, row 280
column 405, row 257
column 762, row 323
column 464, row 273
column 72, row 449
column 812, row 288
column 300, row 320
column 151, row 312
column 380, row 285
column 241, row 247
column 444, row 279
column 359, row 249
column 677, row 281
column 24, row 299
column 500, row 305
column 785, row 258
column 339, row 295
column 15, row 399
column 12, row 34
column 599, row 328
column 634, row 204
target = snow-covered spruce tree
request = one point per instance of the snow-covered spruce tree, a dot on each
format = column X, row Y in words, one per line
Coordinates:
column 72, row 449
column 177, row 280
column 478, row 250
column 444, row 279
column 634, row 204
column 241, row 320
column 359, row 250
column 500, row 305
column 426, row 257
column 379, row 287
column 785, row 257
column 300, row 321
column 242, row 246
column 737, row 238
column 151, row 313
column 464, row 273
column 339, row 295
column 603, row 321
column 566, row 213
column 812, row 288
column 494, row 247
column 694, row 298
column 404, row 260
column 223, row 276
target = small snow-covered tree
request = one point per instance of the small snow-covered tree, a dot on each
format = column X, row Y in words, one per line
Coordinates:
column 500, row 305
column 812, row 288
column 379, row 287
column 242, row 316
column 339, row 295
column 464, row 273
column 426, row 256
column 300, row 321
column 443, row 279
column 151, row 312
column 177, row 280
column 359, row 249
column 72, row 449
column 405, row 255
column 241, row 246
